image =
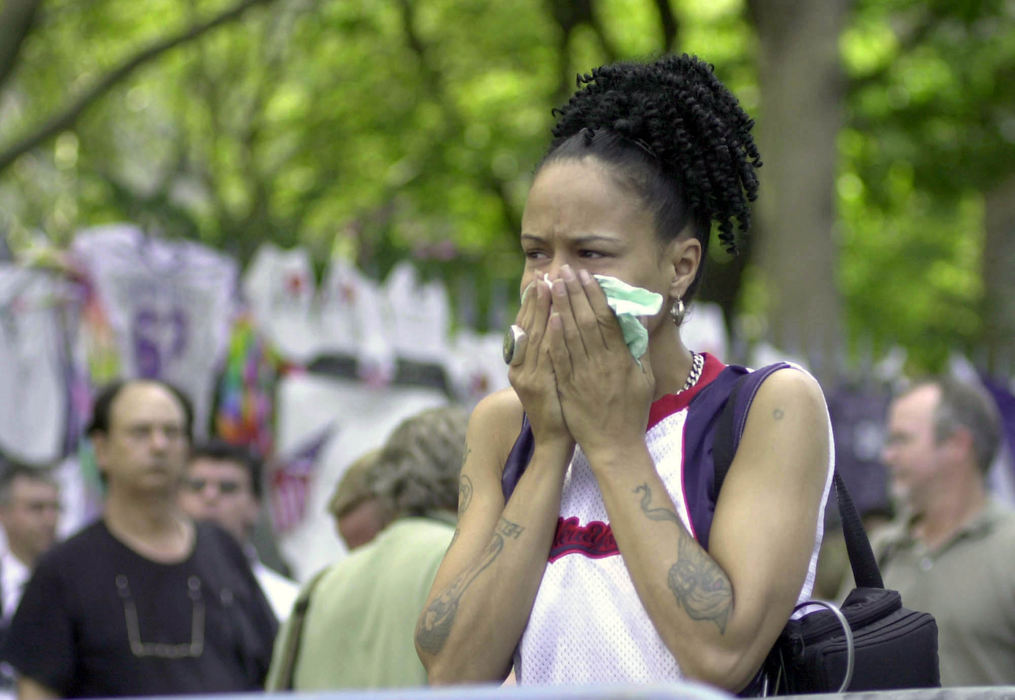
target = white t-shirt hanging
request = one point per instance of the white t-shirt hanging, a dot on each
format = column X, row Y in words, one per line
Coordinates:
column 476, row 365
column 169, row 304
column 33, row 395
column 420, row 315
column 355, row 320
column 280, row 288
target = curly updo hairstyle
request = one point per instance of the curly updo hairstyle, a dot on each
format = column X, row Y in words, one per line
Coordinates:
column 675, row 135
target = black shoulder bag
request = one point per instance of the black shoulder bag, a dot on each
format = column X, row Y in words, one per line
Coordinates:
column 871, row 642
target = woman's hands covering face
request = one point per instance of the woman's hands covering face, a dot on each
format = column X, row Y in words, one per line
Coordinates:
column 532, row 378
column 603, row 393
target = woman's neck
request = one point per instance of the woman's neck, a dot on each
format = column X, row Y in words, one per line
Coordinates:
column 670, row 361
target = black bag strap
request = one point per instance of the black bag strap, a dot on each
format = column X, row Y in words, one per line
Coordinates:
column 866, row 573
column 291, row 645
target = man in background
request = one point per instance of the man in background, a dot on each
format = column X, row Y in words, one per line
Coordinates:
column 353, row 626
column 952, row 551
column 29, row 515
column 223, row 484
column 358, row 513
column 143, row 601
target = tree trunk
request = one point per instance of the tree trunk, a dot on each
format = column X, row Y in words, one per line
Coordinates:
column 795, row 246
column 998, row 281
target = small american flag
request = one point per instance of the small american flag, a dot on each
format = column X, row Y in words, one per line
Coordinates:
column 290, row 477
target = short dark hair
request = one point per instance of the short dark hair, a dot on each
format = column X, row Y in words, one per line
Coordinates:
column 962, row 404
column 676, row 136
column 220, row 450
column 103, row 405
column 12, row 470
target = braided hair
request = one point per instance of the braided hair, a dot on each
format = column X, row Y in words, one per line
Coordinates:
column 676, row 135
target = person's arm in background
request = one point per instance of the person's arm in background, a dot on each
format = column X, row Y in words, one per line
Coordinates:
column 32, row 690
column 40, row 643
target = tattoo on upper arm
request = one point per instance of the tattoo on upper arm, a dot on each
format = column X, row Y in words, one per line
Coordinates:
column 778, row 414
column 464, row 494
column 435, row 623
column 699, row 585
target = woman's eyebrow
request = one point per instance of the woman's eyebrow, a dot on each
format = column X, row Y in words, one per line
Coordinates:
column 584, row 239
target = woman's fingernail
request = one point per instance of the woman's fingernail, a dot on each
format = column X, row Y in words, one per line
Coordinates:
column 567, row 273
column 584, row 276
column 558, row 288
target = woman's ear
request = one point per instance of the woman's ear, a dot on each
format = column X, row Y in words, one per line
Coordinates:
column 684, row 255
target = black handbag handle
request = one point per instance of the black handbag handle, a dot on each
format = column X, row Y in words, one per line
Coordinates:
column 866, row 573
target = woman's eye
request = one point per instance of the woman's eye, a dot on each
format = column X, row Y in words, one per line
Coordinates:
column 591, row 254
column 534, row 254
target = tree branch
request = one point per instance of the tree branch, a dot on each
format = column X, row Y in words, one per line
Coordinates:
column 16, row 20
column 669, row 25
column 68, row 117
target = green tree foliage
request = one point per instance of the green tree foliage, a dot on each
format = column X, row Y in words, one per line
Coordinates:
column 931, row 128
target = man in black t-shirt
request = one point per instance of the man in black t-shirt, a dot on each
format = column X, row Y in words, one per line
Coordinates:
column 143, row 601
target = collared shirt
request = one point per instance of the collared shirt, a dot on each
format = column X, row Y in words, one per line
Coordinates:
column 280, row 591
column 968, row 585
column 13, row 577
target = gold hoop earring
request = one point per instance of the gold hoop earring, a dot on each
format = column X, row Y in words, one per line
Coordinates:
column 677, row 312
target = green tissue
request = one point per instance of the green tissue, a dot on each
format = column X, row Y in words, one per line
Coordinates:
column 630, row 302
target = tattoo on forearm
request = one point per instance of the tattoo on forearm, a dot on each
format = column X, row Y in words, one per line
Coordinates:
column 778, row 414
column 654, row 513
column 699, row 585
column 509, row 529
column 435, row 623
column 464, row 494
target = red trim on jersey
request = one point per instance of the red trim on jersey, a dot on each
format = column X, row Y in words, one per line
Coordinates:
column 671, row 403
column 594, row 540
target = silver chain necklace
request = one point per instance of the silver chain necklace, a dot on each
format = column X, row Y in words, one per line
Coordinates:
column 697, row 364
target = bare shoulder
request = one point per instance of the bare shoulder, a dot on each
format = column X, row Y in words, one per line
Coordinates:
column 494, row 425
column 503, row 403
column 792, row 384
column 788, row 420
column 499, row 411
